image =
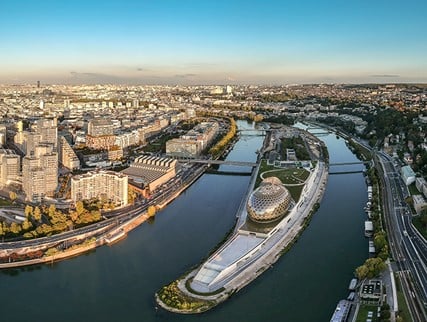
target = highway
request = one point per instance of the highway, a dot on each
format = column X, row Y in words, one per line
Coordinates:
column 408, row 248
column 114, row 218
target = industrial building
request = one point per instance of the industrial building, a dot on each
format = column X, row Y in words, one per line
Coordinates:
column 149, row 172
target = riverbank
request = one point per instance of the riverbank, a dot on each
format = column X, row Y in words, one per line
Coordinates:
column 238, row 270
column 109, row 236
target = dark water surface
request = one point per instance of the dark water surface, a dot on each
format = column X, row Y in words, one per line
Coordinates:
column 118, row 283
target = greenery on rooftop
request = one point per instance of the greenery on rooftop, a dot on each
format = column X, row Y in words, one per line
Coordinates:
column 296, row 143
column 174, row 298
column 292, row 178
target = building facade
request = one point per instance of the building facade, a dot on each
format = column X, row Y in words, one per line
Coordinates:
column 421, row 185
column 67, row 156
column 9, row 166
column 151, row 172
column 40, row 173
column 191, row 144
column 100, row 127
column 100, row 184
column 408, row 175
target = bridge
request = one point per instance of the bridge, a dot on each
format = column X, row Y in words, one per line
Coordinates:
column 227, row 162
column 252, row 132
column 345, row 172
column 347, row 163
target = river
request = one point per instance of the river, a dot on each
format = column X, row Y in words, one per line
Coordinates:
column 118, row 282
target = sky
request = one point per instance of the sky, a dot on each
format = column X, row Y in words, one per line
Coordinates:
column 213, row 41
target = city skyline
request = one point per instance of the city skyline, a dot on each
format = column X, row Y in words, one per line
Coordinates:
column 279, row 42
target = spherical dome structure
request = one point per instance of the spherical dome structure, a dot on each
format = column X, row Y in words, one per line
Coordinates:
column 269, row 201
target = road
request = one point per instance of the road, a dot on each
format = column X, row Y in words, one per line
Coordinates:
column 408, row 248
column 114, row 218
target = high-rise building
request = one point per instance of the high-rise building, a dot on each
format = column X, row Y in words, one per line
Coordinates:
column 107, row 185
column 9, row 166
column 40, row 172
column 48, row 130
column 43, row 131
column 98, row 127
column 67, row 156
column 38, row 84
column 191, row 144
column 100, row 134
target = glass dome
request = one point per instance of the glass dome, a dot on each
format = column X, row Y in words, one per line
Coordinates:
column 269, row 201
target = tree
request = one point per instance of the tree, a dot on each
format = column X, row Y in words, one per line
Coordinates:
column 51, row 211
column 379, row 240
column 131, row 195
column 26, row 224
column 12, row 196
column 362, row 272
column 73, row 215
column 5, row 228
column 37, row 214
column 151, row 211
column 28, row 211
column 15, row 228
column 80, row 208
column 371, row 268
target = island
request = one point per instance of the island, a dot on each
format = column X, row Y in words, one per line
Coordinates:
column 282, row 195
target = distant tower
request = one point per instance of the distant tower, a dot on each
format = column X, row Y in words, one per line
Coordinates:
column 38, row 84
column 41, row 104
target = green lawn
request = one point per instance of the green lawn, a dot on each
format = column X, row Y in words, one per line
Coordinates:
column 287, row 176
column 413, row 189
column 362, row 315
column 262, row 168
column 295, row 192
column 420, row 226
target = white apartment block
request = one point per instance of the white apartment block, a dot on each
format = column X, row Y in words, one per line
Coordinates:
column 40, row 173
column 100, row 184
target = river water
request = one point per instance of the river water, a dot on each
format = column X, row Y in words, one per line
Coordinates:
column 117, row 283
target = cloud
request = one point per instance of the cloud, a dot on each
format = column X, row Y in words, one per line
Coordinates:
column 385, row 76
column 93, row 77
column 185, row 75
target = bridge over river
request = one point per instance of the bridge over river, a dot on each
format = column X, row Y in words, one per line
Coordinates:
column 227, row 162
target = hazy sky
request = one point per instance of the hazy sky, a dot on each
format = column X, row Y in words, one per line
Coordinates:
column 213, row 41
